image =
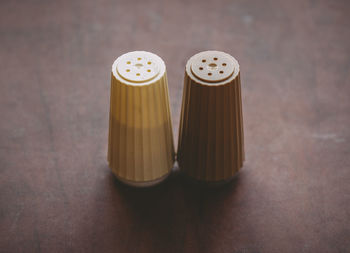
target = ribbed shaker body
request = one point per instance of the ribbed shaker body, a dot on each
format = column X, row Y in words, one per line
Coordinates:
column 140, row 146
column 211, row 140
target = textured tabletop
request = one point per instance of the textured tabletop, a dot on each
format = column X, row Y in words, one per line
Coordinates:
column 57, row 193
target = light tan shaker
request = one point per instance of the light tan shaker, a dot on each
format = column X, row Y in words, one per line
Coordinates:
column 140, row 146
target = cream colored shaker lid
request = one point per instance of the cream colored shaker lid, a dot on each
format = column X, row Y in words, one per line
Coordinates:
column 138, row 68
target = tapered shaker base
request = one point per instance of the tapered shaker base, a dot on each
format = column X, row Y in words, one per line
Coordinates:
column 143, row 183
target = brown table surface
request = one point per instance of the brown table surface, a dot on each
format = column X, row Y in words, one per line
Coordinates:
column 57, row 193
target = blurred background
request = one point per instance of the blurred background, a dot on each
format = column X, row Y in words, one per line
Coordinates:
column 57, row 193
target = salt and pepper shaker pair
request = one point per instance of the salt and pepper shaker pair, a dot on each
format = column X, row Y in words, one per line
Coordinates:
column 211, row 141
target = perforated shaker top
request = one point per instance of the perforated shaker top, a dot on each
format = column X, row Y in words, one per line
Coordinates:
column 213, row 67
column 138, row 68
